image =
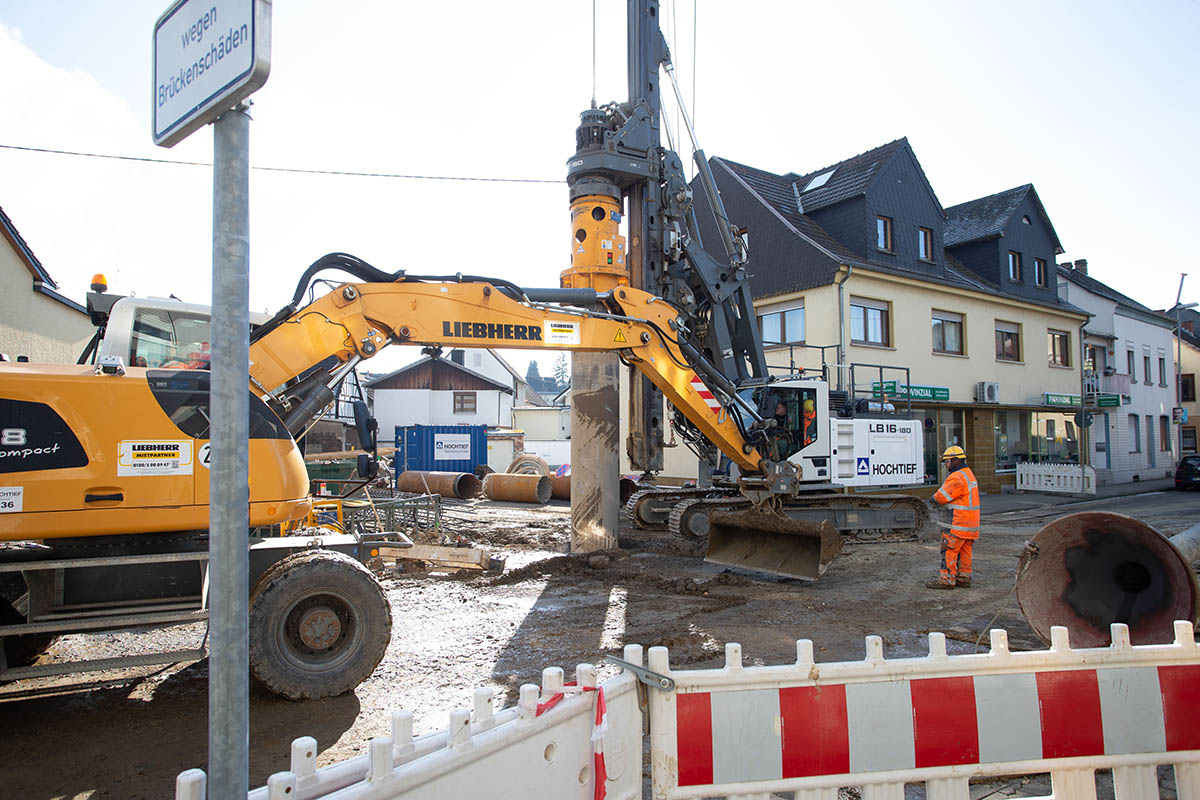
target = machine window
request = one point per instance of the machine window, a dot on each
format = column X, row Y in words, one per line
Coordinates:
column 170, row 340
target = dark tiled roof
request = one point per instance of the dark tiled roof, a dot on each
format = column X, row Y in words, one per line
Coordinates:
column 808, row 256
column 987, row 217
column 850, row 178
column 775, row 191
column 23, row 249
column 1104, row 290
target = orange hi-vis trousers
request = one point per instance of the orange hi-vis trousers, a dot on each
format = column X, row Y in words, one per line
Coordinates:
column 956, row 558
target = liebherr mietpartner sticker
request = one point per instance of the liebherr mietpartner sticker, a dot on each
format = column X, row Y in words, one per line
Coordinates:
column 561, row 332
column 155, row 457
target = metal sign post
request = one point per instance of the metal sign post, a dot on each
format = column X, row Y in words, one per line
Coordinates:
column 209, row 56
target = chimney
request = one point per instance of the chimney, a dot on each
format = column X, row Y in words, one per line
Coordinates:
column 1081, row 266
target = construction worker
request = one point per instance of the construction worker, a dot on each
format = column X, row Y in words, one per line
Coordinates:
column 809, row 425
column 960, row 493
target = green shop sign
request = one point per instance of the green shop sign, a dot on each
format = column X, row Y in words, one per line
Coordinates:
column 913, row 392
column 1072, row 400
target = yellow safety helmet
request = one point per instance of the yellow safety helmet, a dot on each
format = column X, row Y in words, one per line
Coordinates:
column 954, row 451
column 809, row 405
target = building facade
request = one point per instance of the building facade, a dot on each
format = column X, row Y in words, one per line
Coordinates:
column 37, row 323
column 1188, row 349
column 1130, row 379
column 854, row 272
column 437, row 391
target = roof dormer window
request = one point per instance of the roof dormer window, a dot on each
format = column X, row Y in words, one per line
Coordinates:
column 819, row 181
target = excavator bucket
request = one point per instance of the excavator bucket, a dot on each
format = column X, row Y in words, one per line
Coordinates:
column 771, row 542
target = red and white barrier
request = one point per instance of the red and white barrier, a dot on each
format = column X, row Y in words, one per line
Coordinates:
column 813, row 728
column 551, row 745
column 803, row 729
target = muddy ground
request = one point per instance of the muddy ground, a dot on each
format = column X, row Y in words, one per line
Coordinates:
column 127, row 733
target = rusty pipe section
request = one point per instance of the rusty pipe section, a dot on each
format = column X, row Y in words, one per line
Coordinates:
column 560, row 487
column 517, row 488
column 462, row 485
column 1088, row 570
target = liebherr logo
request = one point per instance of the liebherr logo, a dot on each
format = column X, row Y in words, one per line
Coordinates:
column 488, row 330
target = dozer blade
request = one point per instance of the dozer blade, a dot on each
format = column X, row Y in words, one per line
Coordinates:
column 771, row 542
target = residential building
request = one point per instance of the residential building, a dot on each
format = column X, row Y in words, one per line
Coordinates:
column 1188, row 349
column 471, row 386
column 37, row 322
column 1130, row 355
column 858, row 258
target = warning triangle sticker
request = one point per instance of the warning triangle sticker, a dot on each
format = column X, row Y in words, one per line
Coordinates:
column 620, row 337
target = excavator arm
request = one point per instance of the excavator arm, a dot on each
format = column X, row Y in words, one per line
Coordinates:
column 356, row 320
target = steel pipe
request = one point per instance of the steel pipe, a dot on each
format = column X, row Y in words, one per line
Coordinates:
column 560, row 487
column 462, row 485
column 1088, row 570
column 517, row 488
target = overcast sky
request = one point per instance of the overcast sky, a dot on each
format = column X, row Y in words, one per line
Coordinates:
column 1095, row 103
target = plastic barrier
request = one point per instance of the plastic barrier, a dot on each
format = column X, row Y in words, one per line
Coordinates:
column 804, row 728
column 881, row 723
column 542, row 748
column 1056, row 479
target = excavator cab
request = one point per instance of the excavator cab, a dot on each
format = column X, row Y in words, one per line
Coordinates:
column 794, row 411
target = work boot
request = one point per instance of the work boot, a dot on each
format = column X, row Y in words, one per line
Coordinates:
column 938, row 585
column 962, row 583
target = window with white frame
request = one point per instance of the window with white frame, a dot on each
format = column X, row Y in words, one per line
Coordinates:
column 1146, row 369
column 1162, row 371
column 869, row 321
column 785, row 326
column 1135, row 434
column 947, row 332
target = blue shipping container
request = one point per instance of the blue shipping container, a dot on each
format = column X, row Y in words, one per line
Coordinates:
column 440, row 448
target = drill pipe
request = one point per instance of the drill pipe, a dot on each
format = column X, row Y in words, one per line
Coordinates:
column 517, row 488
column 462, row 485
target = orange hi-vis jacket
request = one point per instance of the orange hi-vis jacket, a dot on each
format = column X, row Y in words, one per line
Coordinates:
column 960, row 493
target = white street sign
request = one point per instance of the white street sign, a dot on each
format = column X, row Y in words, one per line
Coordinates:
column 208, row 56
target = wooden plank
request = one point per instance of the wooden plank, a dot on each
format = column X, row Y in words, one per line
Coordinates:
column 465, row 557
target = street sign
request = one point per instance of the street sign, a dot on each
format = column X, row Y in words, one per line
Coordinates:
column 913, row 392
column 209, row 55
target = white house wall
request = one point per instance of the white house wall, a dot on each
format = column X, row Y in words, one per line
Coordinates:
column 1116, row 463
column 426, row 407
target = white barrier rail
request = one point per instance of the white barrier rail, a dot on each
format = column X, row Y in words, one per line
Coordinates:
column 529, row 751
column 1056, row 478
column 810, row 729
column 803, row 730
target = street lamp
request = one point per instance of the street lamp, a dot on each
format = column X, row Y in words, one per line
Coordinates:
column 1178, row 309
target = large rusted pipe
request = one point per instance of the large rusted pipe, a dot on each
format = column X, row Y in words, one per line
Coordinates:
column 560, row 487
column 517, row 488
column 462, row 485
column 1088, row 570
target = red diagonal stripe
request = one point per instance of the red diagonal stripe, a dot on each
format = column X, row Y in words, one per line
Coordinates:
column 1180, row 688
column 945, row 727
column 1070, row 709
column 816, row 737
column 693, row 730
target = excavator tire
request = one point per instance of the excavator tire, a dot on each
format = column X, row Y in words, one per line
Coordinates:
column 21, row 651
column 319, row 625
